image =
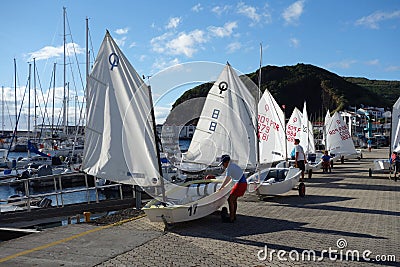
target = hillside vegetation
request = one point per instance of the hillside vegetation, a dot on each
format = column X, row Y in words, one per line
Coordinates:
column 292, row 85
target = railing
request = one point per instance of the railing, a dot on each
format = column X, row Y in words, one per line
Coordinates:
column 59, row 191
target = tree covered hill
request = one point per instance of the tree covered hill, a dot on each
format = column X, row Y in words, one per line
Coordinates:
column 292, row 85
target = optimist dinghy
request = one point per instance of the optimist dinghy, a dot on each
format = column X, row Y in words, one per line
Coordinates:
column 226, row 126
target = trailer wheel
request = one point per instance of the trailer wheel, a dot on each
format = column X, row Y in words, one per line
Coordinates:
column 302, row 189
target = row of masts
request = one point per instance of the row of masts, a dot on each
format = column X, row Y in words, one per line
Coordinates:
column 65, row 100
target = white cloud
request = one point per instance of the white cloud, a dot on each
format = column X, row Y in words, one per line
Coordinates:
column 184, row 44
column 248, row 11
column 372, row 20
column 161, row 113
column 133, row 44
column 121, row 42
column 55, row 51
column 232, row 47
column 293, row 12
column 294, row 42
column 197, row 8
column 344, row 64
column 162, row 64
column 224, row 31
column 122, row 31
column 173, row 23
column 372, row 62
column 393, row 68
column 220, row 9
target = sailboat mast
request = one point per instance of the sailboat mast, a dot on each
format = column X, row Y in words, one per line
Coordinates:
column 87, row 50
column 2, row 110
column 257, row 101
column 153, row 117
column 29, row 107
column 34, row 96
column 54, row 92
column 15, row 99
column 64, row 82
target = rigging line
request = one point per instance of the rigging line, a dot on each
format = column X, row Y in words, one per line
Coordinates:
column 9, row 114
column 43, row 113
column 18, row 117
column 91, row 45
column 76, row 58
column 45, row 105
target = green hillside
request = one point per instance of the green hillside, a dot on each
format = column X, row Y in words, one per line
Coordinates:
column 292, row 85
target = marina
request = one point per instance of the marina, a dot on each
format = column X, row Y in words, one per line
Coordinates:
column 137, row 140
column 343, row 206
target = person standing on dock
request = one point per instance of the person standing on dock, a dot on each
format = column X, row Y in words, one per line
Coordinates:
column 300, row 158
column 234, row 172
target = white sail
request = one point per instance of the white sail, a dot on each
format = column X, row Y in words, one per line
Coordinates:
column 306, row 134
column 119, row 137
column 271, row 124
column 311, row 141
column 226, row 124
column 395, row 142
column 339, row 140
column 326, row 122
column 293, row 129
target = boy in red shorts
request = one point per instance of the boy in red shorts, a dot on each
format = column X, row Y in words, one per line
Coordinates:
column 234, row 172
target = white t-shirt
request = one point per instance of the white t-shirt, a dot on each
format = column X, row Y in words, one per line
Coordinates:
column 234, row 171
column 299, row 148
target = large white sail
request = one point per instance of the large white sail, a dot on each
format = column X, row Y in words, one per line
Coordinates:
column 226, row 124
column 326, row 122
column 293, row 129
column 271, row 124
column 395, row 142
column 119, row 137
column 306, row 134
column 339, row 140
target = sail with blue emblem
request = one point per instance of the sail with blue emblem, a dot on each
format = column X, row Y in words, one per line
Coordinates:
column 119, row 138
column 226, row 125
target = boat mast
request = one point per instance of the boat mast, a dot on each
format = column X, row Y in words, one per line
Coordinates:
column 87, row 51
column 34, row 96
column 257, row 101
column 157, row 146
column 15, row 99
column 64, row 82
column 2, row 110
column 29, row 107
column 54, row 91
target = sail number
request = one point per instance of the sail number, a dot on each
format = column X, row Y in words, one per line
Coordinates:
column 192, row 209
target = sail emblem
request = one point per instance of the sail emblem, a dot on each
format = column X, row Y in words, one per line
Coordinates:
column 266, row 107
column 114, row 60
column 223, row 86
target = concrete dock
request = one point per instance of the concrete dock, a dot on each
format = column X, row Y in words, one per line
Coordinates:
column 346, row 219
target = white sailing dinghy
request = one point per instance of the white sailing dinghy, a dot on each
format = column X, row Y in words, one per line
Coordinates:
column 120, row 141
column 314, row 162
column 381, row 165
column 293, row 130
column 226, row 126
column 338, row 139
column 272, row 142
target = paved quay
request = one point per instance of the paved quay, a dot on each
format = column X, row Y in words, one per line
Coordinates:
column 344, row 213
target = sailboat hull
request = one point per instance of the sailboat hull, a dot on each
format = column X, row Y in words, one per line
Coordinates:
column 205, row 197
column 274, row 181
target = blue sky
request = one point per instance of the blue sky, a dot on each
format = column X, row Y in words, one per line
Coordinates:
column 347, row 37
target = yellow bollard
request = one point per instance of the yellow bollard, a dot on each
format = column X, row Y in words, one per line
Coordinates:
column 87, row 216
